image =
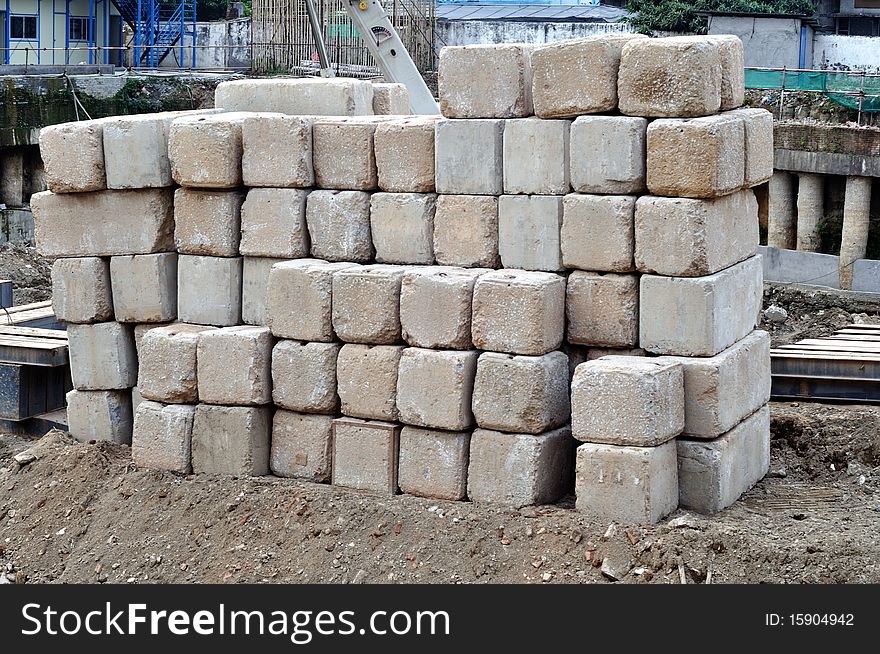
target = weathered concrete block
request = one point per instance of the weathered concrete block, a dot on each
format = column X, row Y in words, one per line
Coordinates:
column 205, row 151
column 485, row 81
column 73, row 156
column 132, row 222
column 102, row 356
column 277, row 151
column 367, row 380
column 686, row 237
column 518, row 311
column 733, row 91
column 758, row 125
column 390, row 99
column 577, row 76
column 627, row 401
column 697, row 158
column 231, row 440
column 468, row 157
column 365, row 454
column 434, row 463
column 302, row 446
column 405, row 154
column 100, row 416
column 255, row 289
column 528, row 232
column 434, row 388
column 235, row 365
column 136, row 399
column 366, row 304
column 306, row 284
column 316, row 96
column 599, row 352
column 527, row 395
column 209, row 290
column 597, row 232
column 402, row 227
column 535, row 156
column 162, row 436
column 712, row 475
column 699, row 316
column 144, row 287
column 356, row 170
column 207, row 223
column 466, row 231
column 721, row 391
column 677, row 76
column 304, row 376
column 273, row 223
column 81, row 290
column 168, row 363
column 339, row 225
column 435, row 307
column 519, row 469
column 608, row 154
column 627, row 484
column 602, row 309
column 140, row 330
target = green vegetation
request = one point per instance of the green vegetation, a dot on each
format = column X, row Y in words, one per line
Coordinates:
column 681, row 15
column 216, row 9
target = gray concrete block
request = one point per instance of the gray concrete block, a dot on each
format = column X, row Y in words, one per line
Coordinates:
column 536, row 156
column 317, row 96
column 339, row 225
column 73, row 156
column 485, row 81
column 209, row 290
column 366, row 377
column 304, row 376
column 402, row 227
column 231, row 440
column 102, row 356
column 207, row 223
column 144, row 287
column 435, row 307
column 366, row 304
column 529, row 232
column 302, row 446
column 390, row 99
column 434, row 463
column 466, row 231
column 468, row 157
column 356, row 170
column 168, row 371
column 810, row 268
column 205, row 151
column 81, row 290
column 435, row 387
column 608, row 154
column 598, row 232
column 365, row 455
column 277, row 151
column 758, row 125
column 235, row 366
column 162, row 436
column 255, row 289
column 273, row 223
column 405, row 154
column 100, row 416
column 866, row 276
column 602, row 309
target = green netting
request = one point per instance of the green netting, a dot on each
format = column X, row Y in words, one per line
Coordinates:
column 834, row 84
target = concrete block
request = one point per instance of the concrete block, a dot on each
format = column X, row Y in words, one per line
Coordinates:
column 721, row 391
column 235, row 365
column 367, row 380
column 304, row 376
column 100, row 416
column 529, row 232
column 302, row 446
column 518, row 311
column 365, row 455
column 626, row 484
column 699, row 316
column 485, row 81
column 435, row 307
column 356, row 170
column 535, row 156
column 273, row 224
column 673, row 77
column 231, row 440
column 102, row 356
column 207, row 223
column 140, row 330
column 866, row 276
column 136, row 399
column 813, row 268
column 81, row 290
column 519, row 469
column 390, row 99
column 628, row 401
column 733, row 91
column 255, row 289
column 132, row 222
column 73, row 156
column 687, row 237
column 209, row 290
column 168, row 364
column 206, row 151
column 434, row 463
column 144, row 287
column 577, row 76
column 602, row 309
column 599, row 352
column 277, row 151
column 608, row 154
column 317, row 96
column 698, row 158
column 598, row 232
column 339, row 225
column 468, row 157
column 404, row 150
column 402, row 227
column 306, row 284
column 466, row 231
column 712, row 475
column 366, row 304
column 162, row 436
column 758, row 125
column 527, row 395
column 434, row 388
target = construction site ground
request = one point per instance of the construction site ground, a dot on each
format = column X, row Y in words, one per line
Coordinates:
column 83, row 513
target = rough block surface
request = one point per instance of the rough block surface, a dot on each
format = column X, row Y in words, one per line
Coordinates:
column 273, row 223
column 536, row 156
column 304, row 376
column 231, row 440
column 405, row 155
column 277, row 151
column 73, row 156
column 365, row 455
column 356, row 168
column 434, row 388
column 205, row 150
column 434, row 463
column 102, row 356
column 485, row 81
column 597, row 232
column 207, row 223
column 302, row 446
column 81, row 290
column 235, row 366
column 608, row 154
column 602, row 309
column 168, row 369
column 162, row 436
column 366, row 304
column 435, row 307
column 758, row 125
column 303, row 96
column 466, row 231
column 367, row 380
column 402, row 227
column 529, row 232
column 144, row 287
column 100, row 416
column 339, row 225
column 209, row 290
column 468, row 157
column 255, row 289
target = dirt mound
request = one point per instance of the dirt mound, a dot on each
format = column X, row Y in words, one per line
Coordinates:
column 29, row 272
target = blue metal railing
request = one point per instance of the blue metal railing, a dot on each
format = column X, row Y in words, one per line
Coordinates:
column 158, row 27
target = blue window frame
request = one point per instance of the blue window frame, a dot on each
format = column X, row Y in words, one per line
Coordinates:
column 23, row 27
column 80, row 28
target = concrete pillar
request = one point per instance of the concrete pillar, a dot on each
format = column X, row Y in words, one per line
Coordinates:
column 856, row 221
column 810, row 210
column 781, row 217
column 12, row 178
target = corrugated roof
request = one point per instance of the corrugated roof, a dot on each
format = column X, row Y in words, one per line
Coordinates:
column 481, row 11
